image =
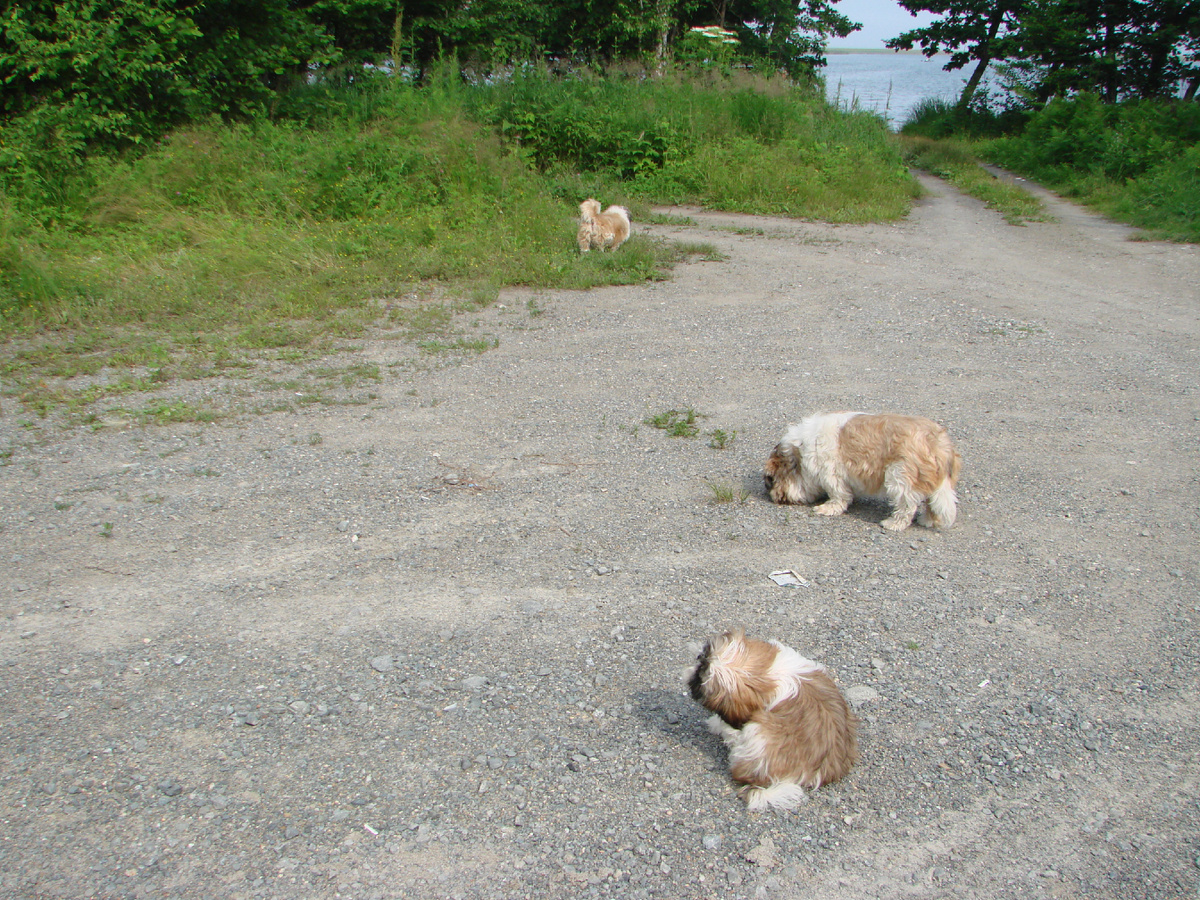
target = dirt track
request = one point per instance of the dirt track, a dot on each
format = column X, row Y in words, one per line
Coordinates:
column 429, row 644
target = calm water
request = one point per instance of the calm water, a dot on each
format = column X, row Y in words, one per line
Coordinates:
column 890, row 84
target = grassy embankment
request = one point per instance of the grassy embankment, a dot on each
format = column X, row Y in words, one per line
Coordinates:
column 389, row 209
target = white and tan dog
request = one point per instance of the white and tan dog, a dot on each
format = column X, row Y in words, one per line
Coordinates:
column 606, row 230
column 907, row 459
column 783, row 719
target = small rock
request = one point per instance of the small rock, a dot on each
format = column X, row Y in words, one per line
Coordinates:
column 383, row 663
column 343, row 525
column 764, row 854
column 711, row 841
column 170, row 789
column 474, row 683
column 299, row 707
column 859, row 694
column 1091, row 744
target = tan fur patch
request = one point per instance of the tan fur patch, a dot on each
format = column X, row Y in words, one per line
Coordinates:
column 606, row 230
column 811, row 739
column 870, row 444
column 738, row 684
column 781, row 472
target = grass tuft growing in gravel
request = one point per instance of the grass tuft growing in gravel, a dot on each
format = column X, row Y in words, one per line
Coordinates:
column 954, row 161
column 677, row 422
column 725, row 492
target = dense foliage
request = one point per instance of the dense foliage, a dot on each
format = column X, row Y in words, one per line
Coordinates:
column 1136, row 160
column 220, row 232
column 77, row 73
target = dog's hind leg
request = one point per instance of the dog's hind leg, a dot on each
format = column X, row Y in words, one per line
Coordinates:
column 941, row 509
column 905, row 501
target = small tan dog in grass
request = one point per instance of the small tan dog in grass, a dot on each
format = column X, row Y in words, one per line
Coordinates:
column 840, row 456
column 606, row 230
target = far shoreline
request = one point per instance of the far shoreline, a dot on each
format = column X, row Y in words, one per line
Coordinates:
column 841, row 51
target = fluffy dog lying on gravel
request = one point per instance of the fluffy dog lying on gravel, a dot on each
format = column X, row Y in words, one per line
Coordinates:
column 783, row 719
column 844, row 455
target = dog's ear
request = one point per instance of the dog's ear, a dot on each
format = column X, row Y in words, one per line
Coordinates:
column 782, row 464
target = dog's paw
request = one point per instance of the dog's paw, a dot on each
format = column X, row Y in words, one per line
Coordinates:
column 829, row 508
column 894, row 524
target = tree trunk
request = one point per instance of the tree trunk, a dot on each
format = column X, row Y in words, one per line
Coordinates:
column 1111, row 76
column 972, row 83
column 985, row 57
column 1190, row 93
column 664, row 21
column 721, row 9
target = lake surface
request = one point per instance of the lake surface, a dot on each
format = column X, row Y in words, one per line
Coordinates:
column 890, row 84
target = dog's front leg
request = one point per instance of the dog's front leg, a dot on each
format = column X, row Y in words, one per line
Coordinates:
column 838, row 502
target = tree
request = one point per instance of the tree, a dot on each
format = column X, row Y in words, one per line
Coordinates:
column 980, row 30
column 791, row 34
column 1115, row 48
column 88, row 70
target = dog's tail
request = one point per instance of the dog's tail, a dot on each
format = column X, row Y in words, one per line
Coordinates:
column 779, row 794
column 943, row 502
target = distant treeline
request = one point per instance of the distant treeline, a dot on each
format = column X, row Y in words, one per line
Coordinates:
column 77, row 73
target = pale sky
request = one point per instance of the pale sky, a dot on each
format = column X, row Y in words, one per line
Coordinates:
column 881, row 19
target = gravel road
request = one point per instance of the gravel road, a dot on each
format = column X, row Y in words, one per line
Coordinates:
column 425, row 639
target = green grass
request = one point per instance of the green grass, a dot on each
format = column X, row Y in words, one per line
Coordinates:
column 720, row 439
column 724, row 492
column 677, row 422
column 285, row 239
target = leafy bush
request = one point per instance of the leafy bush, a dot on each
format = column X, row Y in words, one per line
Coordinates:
column 1083, row 135
column 275, row 235
column 1165, row 200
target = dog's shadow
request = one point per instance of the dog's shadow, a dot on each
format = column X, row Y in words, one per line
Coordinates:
column 864, row 509
column 674, row 715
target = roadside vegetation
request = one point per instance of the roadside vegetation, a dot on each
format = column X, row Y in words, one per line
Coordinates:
column 384, row 205
column 1136, row 161
column 1097, row 101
